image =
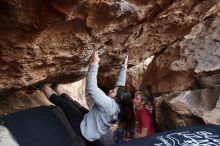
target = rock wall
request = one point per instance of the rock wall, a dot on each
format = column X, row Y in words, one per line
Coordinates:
column 50, row 41
column 22, row 100
column 191, row 66
column 31, row 97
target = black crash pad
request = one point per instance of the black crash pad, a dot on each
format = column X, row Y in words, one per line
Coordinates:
column 48, row 126
column 203, row 135
column 41, row 126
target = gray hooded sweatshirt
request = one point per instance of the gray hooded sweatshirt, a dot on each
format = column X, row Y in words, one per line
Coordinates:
column 105, row 110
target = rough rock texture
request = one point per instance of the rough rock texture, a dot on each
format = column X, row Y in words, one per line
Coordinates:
column 160, row 31
column 177, row 66
column 32, row 98
column 193, row 64
column 182, row 109
column 134, row 76
column 21, row 100
column 77, row 91
column 50, row 41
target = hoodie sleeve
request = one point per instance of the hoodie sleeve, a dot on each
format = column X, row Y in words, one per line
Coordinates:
column 101, row 100
column 122, row 75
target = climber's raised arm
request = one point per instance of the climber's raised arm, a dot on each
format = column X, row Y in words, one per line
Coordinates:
column 122, row 73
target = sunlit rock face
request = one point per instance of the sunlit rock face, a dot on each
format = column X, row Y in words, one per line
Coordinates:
column 192, row 65
column 77, row 92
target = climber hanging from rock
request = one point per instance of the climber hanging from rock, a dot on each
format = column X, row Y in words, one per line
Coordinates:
column 93, row 124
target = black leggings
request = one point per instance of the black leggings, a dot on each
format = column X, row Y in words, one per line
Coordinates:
column 74, row 113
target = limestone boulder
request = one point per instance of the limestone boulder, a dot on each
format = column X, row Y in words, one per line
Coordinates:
column 186, row 75
column 188, row 63
column 181, row 109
